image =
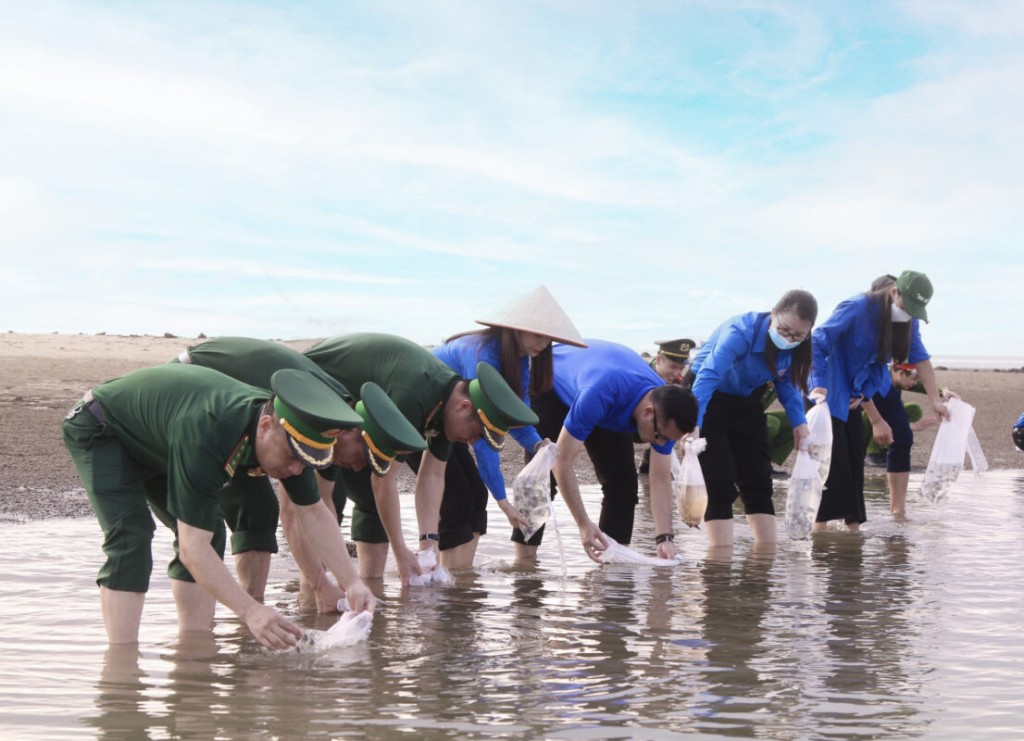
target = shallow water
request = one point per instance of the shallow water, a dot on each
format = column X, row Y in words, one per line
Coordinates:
column 908, row 630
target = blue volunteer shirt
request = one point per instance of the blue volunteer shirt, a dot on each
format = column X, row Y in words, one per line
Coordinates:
column 462, row 355
column 732, row 361
column 1020, row 422
column 602, row 384
column 845, row 349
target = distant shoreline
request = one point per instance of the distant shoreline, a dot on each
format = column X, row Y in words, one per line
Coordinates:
column 1008, row 364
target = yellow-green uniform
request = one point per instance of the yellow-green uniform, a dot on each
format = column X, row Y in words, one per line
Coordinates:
column 175, row 437
column 417, row 382
column 252, row 512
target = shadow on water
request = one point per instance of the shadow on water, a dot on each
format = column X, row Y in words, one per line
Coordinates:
column 839, row 636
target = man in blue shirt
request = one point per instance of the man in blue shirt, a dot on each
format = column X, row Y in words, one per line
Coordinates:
column 605, row 395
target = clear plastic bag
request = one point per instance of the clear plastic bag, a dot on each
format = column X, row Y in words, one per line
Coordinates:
column 431, row 572
column 691, row 493
column 351, row 628
column 819, row 435
column 947, row 458
column 803, row 496
column 531, row 490
column 616, row 553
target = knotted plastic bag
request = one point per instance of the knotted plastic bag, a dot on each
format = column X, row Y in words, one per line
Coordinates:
column 351, row 628
column 616, row 553
column 819, row 435
column 951, row 445
column 803, row 496
column 690, row 489
column 531, row 490
column 431, row 572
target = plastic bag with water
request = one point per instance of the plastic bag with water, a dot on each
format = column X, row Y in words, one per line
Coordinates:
column 351, row 628
column 951, row 445
column 616, row 553
column 819, row 435
column 531, row 490
column 431, row 572
column 803, row 496
column 691, row 493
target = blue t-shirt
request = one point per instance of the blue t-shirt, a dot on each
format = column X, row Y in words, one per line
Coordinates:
column 602, row 384
column 845, row 354
column 462, row 355
column 732, row 361
column 1020, row 422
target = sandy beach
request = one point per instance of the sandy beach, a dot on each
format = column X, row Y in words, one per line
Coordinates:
column 42, row 375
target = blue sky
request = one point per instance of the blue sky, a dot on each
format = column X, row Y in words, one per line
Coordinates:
column 298, row 170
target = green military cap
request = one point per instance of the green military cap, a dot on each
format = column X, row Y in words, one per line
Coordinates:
column 312, row 413
column 385, row 429
column 497, row 405
column 678, row 349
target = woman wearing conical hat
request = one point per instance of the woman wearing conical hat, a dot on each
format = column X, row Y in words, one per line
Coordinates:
column 517, row 341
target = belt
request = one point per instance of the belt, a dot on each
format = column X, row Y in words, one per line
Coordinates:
column 95, row 408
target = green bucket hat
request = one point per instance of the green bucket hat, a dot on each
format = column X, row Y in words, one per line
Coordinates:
column 312, row 413
column 385, row 429
column 916, row 290
column 497, row 405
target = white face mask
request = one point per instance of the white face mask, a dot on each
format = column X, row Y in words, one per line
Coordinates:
column 899, row 315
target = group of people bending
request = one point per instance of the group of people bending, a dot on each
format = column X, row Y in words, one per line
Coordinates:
column 250, row 431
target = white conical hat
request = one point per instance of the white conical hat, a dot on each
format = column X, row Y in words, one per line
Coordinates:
column 537, row 312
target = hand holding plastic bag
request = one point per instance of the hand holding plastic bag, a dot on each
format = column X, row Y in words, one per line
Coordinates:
column 819, row 435
column 690, row 490
column 531, row 490
column 947, row 458
column 616, row 553
column 351, row 628
column 803, row 496
column 431, row 572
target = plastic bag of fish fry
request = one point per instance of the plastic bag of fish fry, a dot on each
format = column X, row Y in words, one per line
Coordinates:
column 947, row 458
column 803, row 496
column 690, row 490
column 819, row 435
column 531, row 490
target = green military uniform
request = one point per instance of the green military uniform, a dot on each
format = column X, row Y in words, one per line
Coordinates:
column 173, row 436
column 251, row 508
column 417, row 382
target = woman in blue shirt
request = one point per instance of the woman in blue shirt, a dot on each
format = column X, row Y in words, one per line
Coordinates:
column 730, row 374
column 852, row 350
column 517, row 342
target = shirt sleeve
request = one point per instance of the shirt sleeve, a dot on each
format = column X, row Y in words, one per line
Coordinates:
column 488, row 462
column 730, row 346
column 527, row 436
column 917, row 352
column 824, row 337
column 791, row 401
column 586, row 412
column 302, row 489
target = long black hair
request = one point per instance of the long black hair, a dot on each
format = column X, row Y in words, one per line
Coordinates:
column 805, row 306
column 542, row 367
column 893, row 337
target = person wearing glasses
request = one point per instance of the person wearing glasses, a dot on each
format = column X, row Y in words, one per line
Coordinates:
column 730, row 375
column 852, row 349
column 604, row 396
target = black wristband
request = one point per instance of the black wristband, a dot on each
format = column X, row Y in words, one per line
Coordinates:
column 663, row 537
column 430, row 536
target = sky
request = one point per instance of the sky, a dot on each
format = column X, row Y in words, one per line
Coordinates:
column 304, row 169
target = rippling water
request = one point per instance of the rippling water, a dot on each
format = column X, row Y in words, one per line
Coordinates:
column 905, row 631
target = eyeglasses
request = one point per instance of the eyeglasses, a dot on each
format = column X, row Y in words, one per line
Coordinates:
column 658, row 437
column 789, row 334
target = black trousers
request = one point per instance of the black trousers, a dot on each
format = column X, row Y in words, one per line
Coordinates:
column 611, row 454
column 843, row 495
column 464, row 503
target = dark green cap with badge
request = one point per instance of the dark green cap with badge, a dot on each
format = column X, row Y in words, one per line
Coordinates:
column 497, row 405
column 311, row 413
column 385, row 429
column 676, row 349
column 916, row 290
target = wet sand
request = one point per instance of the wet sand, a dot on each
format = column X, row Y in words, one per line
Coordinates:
column 41, row 377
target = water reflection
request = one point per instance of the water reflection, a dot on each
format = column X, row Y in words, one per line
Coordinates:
column 842, row 635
